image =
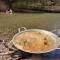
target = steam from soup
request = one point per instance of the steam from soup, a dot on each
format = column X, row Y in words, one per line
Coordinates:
column 35, row 41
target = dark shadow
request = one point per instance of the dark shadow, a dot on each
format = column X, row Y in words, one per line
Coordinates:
column 21, row 54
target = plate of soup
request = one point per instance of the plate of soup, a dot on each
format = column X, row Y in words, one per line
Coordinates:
column 36, row 41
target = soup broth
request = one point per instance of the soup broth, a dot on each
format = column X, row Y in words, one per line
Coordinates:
column 36, row 41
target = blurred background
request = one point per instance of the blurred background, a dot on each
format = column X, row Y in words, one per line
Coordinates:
column 30, row 5
column 30, row 14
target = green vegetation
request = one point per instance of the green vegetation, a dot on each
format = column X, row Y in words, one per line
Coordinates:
column 30, row 4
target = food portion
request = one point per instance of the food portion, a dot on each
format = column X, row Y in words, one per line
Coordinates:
column 35, row 41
